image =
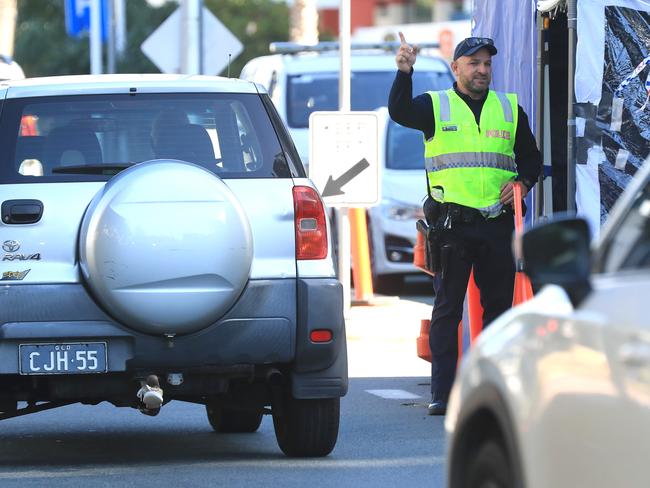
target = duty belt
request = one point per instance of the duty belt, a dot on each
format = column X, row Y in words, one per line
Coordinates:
column 444, row 215
column 460, row 213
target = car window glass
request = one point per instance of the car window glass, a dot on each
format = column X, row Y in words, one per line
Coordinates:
column 404, row 147
column 68, row 138
column 630, row 246
column 307, row 93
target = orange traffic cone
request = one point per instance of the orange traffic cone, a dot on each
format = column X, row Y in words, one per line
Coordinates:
column 419, row 261
column 423, row 348
column 419, row 253
column 523, row 289
column 474, row 309
column 474, row 318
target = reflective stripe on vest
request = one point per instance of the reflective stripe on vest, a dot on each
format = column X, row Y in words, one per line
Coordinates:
column 468, row 163
column 471, row 160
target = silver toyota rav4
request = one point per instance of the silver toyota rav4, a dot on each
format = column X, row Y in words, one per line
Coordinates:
column 160, row 241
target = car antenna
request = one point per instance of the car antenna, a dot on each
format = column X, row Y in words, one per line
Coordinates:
column 229, row 56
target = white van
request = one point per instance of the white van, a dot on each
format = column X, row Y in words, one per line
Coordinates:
column 10, row 69
column 301, row 82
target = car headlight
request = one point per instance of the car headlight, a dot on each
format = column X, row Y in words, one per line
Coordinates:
column 396, row 210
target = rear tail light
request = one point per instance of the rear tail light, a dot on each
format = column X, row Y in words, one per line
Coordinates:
column 311, row 228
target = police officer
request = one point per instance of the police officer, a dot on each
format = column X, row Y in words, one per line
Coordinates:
column 478, row 145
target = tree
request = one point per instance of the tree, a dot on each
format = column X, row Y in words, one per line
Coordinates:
column 44, row 48
column 256, row 23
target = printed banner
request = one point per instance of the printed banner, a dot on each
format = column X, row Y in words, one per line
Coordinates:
column 624, row 110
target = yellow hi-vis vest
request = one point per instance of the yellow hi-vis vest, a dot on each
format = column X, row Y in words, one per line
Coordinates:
column 468, row 163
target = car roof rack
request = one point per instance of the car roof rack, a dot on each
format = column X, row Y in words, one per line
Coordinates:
column 294, row 47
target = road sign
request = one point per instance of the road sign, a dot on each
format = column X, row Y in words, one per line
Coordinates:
column 163, row 46
column 77, row 17
column 344, row 157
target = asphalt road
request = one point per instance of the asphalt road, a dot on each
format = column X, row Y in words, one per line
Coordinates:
column 385, row 439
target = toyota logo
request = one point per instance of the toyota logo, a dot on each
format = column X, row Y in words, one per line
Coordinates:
column 10, row 246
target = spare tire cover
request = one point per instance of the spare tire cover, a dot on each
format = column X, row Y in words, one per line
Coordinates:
column 166, row 247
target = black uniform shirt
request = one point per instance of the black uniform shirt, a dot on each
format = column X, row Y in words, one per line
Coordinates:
column 417, row 113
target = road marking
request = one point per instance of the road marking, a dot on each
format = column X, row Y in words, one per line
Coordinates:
column 394, row 394
column 378, row 463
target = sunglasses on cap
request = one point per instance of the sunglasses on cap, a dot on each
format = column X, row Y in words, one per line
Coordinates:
column 478, row 41
column 472, row 44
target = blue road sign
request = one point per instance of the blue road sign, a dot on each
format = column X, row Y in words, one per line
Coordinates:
column 77, row 17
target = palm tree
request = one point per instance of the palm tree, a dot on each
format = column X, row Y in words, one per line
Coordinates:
column 304, row 22
column 8, row 10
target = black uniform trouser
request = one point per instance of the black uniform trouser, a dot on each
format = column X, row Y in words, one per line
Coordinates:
column 485, row 245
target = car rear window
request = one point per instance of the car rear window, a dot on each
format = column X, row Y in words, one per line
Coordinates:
column 369, row 90
column 92, row 137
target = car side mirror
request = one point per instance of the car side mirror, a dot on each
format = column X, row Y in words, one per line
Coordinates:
column 559, row 253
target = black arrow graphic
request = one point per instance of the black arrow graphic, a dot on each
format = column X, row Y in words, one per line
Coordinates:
column 333, row 186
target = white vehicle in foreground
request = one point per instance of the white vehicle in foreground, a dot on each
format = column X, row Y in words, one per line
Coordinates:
column 556, row 392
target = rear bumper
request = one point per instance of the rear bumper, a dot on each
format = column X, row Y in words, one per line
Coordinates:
column 268, row 326
column 321, row 369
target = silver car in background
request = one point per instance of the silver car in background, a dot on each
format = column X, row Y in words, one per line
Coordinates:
column 391, row 224
column 303, row 80
column 556, row 392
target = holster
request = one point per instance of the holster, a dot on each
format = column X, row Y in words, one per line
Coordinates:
column 432, row 246
column 439, row 238
column 431, row 210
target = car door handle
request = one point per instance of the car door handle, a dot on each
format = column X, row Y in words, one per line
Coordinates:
column 24, row 211
column 634, row 354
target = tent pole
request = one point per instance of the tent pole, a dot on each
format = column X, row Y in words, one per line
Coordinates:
column 539, row 118
column 571, row 132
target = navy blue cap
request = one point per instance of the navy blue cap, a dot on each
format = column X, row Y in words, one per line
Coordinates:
column 470, row 45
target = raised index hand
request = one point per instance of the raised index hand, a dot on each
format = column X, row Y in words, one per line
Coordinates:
column 406, row 55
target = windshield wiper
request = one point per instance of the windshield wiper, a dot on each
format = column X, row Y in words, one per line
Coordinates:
column 93, row 169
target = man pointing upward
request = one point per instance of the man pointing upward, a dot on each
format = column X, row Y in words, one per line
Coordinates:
column 478, row 145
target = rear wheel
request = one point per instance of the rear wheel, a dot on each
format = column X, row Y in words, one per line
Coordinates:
column 307, row 428
column 227, row 420
column 489, row 467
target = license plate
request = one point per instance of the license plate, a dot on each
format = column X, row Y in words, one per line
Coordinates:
column 64, row 358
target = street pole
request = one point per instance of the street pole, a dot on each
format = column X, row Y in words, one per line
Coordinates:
column 538, row 193
column 343, row 218
column 190, row 37
column 572, row 16
column 199, row 35
column 119, row 17
column 110, row 41
column 542, row 193
column 95, row 37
